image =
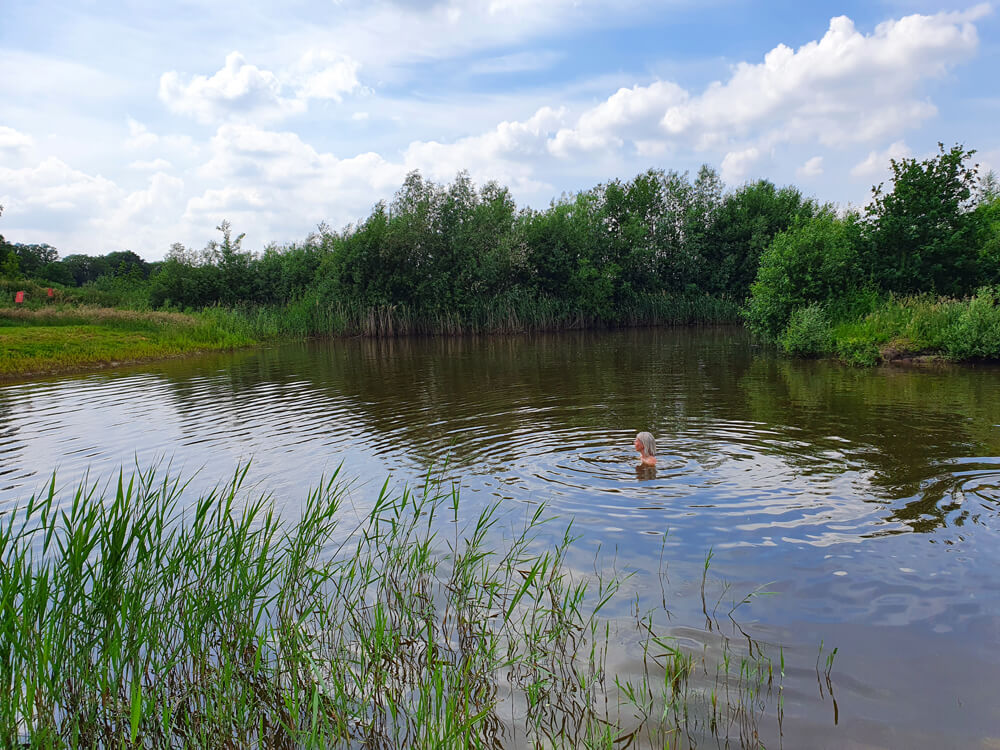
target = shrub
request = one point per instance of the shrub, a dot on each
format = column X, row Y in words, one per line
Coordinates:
column 975, row 332
column 858, row 350
column 815, row 261
column 808, row 333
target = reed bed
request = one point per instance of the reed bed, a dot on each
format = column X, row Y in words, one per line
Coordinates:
column 142, row 617
column 514, row 313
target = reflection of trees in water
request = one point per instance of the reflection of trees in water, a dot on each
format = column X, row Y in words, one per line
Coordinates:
column 427, row 395
column 424, row 392
column 905, row 426
column 901, row 430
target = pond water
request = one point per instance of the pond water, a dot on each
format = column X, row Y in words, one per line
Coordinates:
column 868, row 501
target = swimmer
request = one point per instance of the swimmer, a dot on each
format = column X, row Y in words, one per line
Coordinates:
column 646, row 445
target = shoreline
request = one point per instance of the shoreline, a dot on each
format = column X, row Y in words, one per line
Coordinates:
column 68, row 341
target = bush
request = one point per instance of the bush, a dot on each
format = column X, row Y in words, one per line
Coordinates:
column 858, row 350
column 815, row 261
column 975, row 333
column 808, row 333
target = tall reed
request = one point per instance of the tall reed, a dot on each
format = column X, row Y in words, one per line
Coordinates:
column 148, row 618
column 312, row 315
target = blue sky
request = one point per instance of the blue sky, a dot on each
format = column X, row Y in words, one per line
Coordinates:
column 133, row 125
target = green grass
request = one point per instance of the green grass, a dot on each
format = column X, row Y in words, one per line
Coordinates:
column 957, row 330
column 149, row 617
column 58, row 339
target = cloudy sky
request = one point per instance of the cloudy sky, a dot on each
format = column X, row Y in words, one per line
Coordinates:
column 132, row 125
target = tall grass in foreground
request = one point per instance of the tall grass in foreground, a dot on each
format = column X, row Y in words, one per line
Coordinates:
column 145, row 618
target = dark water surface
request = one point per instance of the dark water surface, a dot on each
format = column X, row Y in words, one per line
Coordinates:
column 868, row 500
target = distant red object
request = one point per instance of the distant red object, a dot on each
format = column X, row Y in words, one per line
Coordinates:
column 19, row 298
column 51, row 293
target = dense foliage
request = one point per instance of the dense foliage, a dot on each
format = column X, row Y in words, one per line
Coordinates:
column 935, row 232
column 662, row 247
column 616, row 254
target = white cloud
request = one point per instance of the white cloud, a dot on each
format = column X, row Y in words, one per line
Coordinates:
column 324, row 75
column 140, row 216
column 55, row 203
column 812, row 168
column 736, row 164
column 139, row 137
column 845, row 88
column 275, row 181
column 239, row 90
column 11, row 141
column 877, row 162
column 632, row 113
column 54, row 187
column 508, row 153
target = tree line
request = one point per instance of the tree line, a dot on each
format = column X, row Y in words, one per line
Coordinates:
column 445, row 249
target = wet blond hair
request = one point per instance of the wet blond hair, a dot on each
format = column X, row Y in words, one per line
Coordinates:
column 648, row 442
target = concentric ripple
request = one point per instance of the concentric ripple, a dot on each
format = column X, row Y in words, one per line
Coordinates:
column 869, row 499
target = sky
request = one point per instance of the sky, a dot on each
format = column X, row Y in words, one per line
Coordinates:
column 132, row 125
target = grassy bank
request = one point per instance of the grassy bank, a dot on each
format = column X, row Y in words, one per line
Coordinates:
column 61, row 338
column 901, row 328
column 149, row 617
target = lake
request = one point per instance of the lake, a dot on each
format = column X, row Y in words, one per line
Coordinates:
column 866, row 501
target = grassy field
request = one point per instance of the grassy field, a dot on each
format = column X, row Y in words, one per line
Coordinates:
column 147, row 617
column 62, row 339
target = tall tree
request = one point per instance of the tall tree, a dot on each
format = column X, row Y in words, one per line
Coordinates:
column 923, row 231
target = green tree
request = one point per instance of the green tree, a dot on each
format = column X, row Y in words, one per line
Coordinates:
column 31, row 257
column 742, row 226
column 816, row 260
column 923, row 231
column 987, row 219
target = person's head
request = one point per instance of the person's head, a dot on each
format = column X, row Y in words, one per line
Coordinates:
column 645, row 442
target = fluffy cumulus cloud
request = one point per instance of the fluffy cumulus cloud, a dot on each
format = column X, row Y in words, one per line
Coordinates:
column 238, row 90
column 812, row 168
column 845, row 88
column 736, row 165
column 509, row 153
column 12, row 142
column 877, row 162
column 633, row 113
column 242, row 91
column 51, row 201
column 325, row 75
column 139, row 136
column 269, row 180
column 58, row 204
column 55, row 188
